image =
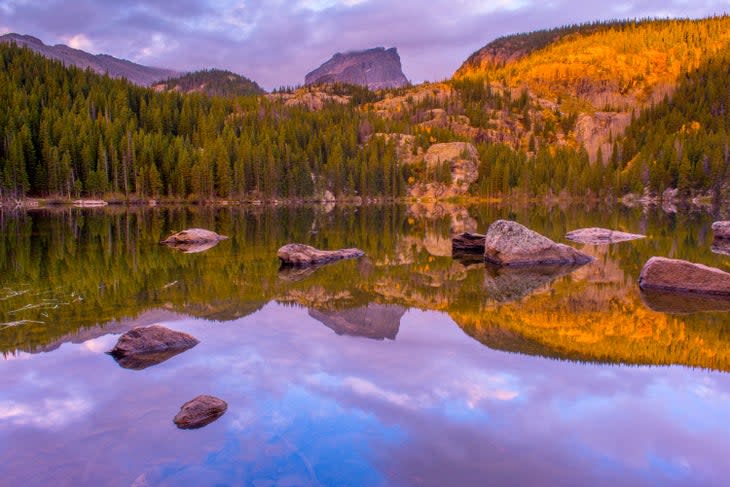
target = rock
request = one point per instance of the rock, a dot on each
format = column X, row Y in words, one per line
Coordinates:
column 462, row 159
column 721, row 230
column 376, row 68
column 304, row 255
column 90, row 203
column 200, row 412
column 149, row 345
column 193, row 236
column 597, row 236
column 721, row 246
column 509, row 243
column 468, row 243
column 375, row 321
column 193, row 240
column 683, row 276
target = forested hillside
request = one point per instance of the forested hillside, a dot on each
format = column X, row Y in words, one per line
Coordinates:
column 70, row 132
column 598, row 110
column 212, row 82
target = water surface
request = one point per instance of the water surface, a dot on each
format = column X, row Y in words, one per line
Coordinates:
column 407, row 367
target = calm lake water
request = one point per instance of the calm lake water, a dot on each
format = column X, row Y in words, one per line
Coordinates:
column 406, row 367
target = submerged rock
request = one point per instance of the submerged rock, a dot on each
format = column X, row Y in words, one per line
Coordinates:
column 200, row 412
column 304, row 255
column 468, row 243
column 721, row 230
column 683, row 276
column 597, row 236
column 509, row 243
column 143, row 347
column 193, row 240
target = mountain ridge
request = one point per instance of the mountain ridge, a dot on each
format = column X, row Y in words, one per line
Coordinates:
column 100, row 63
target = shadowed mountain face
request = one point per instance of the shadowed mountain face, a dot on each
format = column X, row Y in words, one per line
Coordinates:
column 213, row 82
column 375, row 68
column 376, row 321
column 99, row 63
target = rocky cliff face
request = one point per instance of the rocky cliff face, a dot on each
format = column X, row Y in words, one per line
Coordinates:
column 375, row 68
column 100, row 63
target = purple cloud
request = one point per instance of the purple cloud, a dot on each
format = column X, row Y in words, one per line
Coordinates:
column 277, row 42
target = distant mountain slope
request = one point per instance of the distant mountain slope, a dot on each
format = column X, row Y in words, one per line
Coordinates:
column 376, row 68
column 100, row 63
column 213, row 82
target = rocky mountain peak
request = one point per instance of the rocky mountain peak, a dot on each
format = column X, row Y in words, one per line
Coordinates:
column 375, row 68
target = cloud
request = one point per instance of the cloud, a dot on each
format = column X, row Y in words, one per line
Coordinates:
column 276, row 42
column 80, row 41
column 50, row 413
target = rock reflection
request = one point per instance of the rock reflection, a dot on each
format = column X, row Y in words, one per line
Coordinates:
column 141, row 361
column 504, row 284
column 684, row 303
column 193, row 247
column 376, row 321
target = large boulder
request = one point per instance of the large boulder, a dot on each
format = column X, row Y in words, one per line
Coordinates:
column 509, row 243
column 304, row 255
column 200, row 412
column 144, row 346
column 721, row 230
column 598, row 236
column 683, row 276
column 467, row 243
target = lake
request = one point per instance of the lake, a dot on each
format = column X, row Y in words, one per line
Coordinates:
column 407, row 367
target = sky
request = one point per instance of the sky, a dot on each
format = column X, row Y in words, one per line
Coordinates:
column 276, row 42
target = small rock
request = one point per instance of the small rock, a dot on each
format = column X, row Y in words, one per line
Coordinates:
column 721, row 230
column 200, row 412
column 683, row 276
column 468, row 243
column 598, row 236
column 193, row 235
column 149, row 345
column 304, row 255
column 509, row 243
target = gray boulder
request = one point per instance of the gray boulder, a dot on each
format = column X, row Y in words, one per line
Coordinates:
column 683, row 276
column 599, row 236
column 200, row 412
column 508, row 243
column 143, row 347
column 304, row 255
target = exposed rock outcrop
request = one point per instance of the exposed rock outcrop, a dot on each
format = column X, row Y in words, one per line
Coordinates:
column 99, row 63
column 721, row 230
column 683, row 276
column 200, row 412
column 142, row 347
column 305, row 255
column 376, row 68
column 597, row 236
column 509, row 243
column 462, row 160
column 468, row 243
column 376, row 321
column 193, row 240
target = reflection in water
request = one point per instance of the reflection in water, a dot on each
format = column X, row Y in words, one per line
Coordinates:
column 377, row 321
column 307, row 406
column 505, row 284
column 683, row 303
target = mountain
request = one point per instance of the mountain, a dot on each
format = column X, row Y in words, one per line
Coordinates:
column 212, row 82
column 99, row 63
column 376, row 68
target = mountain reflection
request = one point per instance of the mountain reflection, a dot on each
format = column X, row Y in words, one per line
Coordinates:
column 592, row 313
